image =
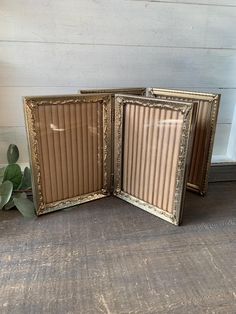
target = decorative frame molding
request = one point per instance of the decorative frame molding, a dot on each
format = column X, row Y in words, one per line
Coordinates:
column 113, row 111
column 214, row 101
column 31, row 105
column 186, row 109
column 141, row 91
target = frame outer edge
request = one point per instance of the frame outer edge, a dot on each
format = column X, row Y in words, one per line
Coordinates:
column 186, row 110
column 30, row 130
column 214, row 116
column 187, row 96
column 30, row 109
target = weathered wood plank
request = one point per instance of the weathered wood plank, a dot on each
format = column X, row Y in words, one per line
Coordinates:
column 222, row 172
column 86, row 44
column 70, row 65
column 145, row 23
column 110, row 257
column 196, row 2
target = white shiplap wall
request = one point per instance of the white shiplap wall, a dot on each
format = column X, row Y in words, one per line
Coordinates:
column 58, row 46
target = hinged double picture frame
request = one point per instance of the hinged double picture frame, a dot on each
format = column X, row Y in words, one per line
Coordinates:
column 205, row 112
column 88, row 146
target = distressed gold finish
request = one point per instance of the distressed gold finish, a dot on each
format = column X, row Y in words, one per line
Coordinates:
column 167, row 119
column 183, row 110
column 139, row 91
column 207, row 106
column 38, row 127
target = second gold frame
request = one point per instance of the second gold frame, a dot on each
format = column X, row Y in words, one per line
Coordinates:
column 150, row 154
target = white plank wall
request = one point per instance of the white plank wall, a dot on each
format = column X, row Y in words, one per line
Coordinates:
column 57, row 46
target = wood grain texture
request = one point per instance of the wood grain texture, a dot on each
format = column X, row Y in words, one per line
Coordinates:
column 97, row 23
column 225, row 3
column 110, row 257
column 66, row 65
column 220, row 173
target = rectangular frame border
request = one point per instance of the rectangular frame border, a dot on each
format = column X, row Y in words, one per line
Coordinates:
column 126, row 90
column 187, row 96
column 31, row 105
column 186, row 109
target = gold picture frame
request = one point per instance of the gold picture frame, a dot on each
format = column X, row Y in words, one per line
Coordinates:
column 207, row 107
column 39, row 126
column 109, row 130
column 184, row 111
column 137, row 91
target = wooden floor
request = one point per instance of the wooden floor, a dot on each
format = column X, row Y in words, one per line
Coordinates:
column 111, row 257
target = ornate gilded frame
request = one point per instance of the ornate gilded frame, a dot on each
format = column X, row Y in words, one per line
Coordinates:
column 194, row 97
column 140, row 91
column 186, row 109
column 31, row 105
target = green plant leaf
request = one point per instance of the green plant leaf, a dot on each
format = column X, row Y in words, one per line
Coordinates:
column 26, row 180
column 13, row 173
column 11, row 203
column 2, row 170
column 5, row 193
column 12, row 154
column 25, row 207
column 20, row 195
